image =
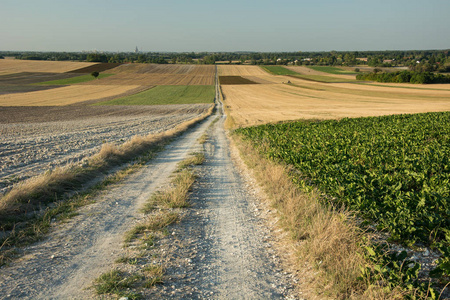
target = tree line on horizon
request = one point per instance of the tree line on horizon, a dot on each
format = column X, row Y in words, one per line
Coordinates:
column 416, row 60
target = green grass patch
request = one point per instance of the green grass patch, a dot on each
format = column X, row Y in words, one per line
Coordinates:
column 115, row 282
column 331, row 70
column 73, row 80
column 278, row 70
column 168, row 94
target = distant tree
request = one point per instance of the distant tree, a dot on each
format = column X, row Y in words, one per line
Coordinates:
column 95, row 74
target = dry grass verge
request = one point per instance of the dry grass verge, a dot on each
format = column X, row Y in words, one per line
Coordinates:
column 326, row 239
column 28, row 208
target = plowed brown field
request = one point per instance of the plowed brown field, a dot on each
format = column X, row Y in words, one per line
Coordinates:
column 9, row 66
column 235, row 80
column 97, row 67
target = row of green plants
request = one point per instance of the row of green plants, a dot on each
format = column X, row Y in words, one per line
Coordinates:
column 394, row 171
column 405, row 77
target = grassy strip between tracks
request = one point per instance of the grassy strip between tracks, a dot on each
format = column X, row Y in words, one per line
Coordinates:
column 27, row 211
column 137, row 271
column 328, row 241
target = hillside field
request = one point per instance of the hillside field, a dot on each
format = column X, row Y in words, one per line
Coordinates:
column 304, row 99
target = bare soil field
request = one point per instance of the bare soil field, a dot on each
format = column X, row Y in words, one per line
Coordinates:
column 19, row 88
column 65, row 95
column 35, row 139
column 251, row 105
column 97, row 67
column 23, row 82
column 9, row 66
column 33, row 77
column 235, row 80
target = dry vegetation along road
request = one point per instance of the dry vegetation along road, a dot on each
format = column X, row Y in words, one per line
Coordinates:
column 232, row 261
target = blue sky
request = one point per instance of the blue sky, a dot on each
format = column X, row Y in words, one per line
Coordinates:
column 232, row 25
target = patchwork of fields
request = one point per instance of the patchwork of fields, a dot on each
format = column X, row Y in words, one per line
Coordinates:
column 393, row 169
column 47, row 120
column 32, row 83
column 290, row 98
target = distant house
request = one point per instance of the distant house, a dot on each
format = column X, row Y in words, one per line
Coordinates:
column 388, row 61
column 362, row 59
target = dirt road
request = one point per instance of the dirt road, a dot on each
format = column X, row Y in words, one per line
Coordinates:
column 232, row 260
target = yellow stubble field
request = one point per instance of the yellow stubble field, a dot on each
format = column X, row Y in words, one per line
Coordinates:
column 153, row 74
column 10, row 66
column 263, row 103
column 65, row 95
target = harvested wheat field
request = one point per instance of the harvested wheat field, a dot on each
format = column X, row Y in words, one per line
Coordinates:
column 204, row 70
column 152, row 74
column 258, row 104
column 238, row 70
column 154, row 79
column 9, row 66
column 65, row 95
column 252, row 73
column 307, row 71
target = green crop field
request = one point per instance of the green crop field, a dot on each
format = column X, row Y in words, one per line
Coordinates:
column 393, row 170
column 278, row 70
column 74, row 80
column 331, row 70
column 168, row 94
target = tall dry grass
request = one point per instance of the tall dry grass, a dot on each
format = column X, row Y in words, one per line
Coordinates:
column 326, row 239
column 35, row 193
